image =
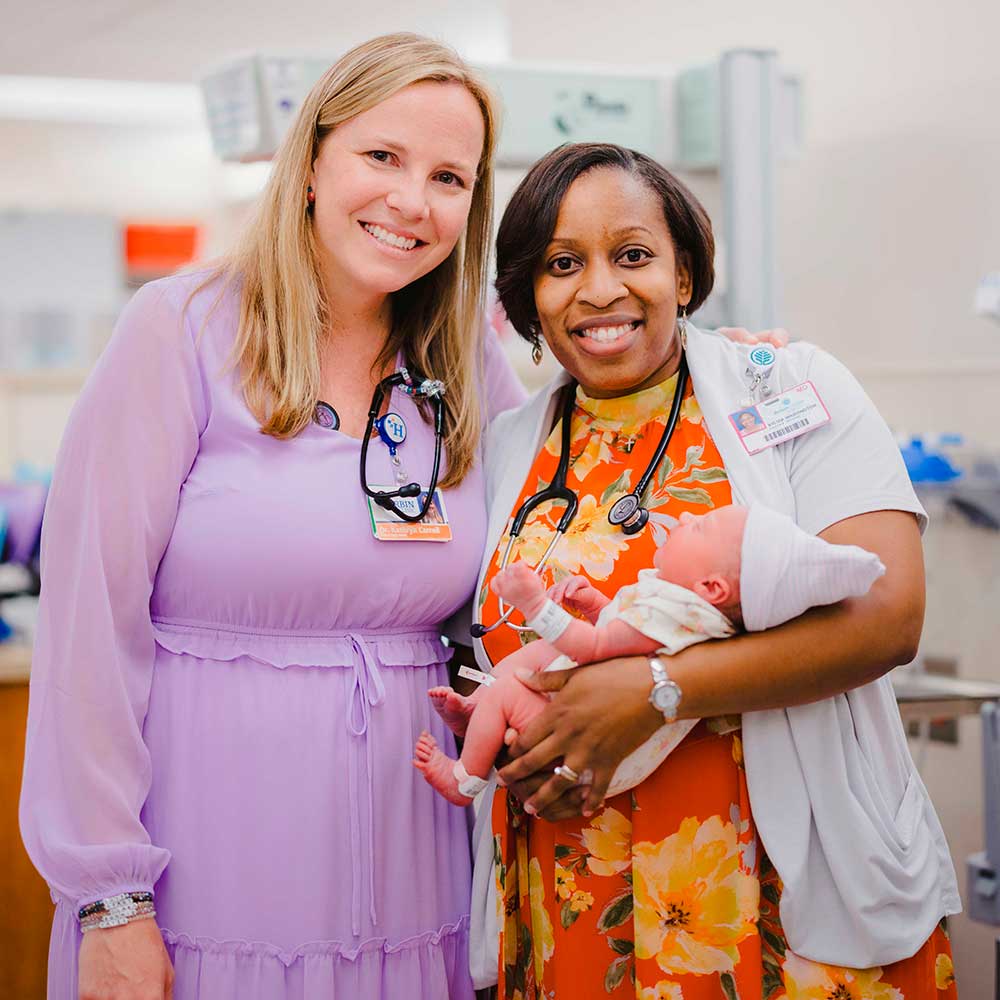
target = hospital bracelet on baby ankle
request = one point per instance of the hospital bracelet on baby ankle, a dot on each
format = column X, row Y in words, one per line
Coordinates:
column 116, row 911
column 551, row 621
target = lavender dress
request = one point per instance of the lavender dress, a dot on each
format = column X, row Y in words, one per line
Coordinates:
column 229, row 677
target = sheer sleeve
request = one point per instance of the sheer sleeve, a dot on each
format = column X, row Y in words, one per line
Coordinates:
column 129, row 445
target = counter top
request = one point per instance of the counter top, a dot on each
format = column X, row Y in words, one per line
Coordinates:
column 930, row 696
column 15, row 662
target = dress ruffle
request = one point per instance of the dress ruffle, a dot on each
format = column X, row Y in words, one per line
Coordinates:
column 205, row 969
column 391, row 648
column 237, row 970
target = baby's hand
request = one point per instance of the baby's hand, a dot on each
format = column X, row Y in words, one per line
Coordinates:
column 565, row 589
column 578, row 594
column 518, row 585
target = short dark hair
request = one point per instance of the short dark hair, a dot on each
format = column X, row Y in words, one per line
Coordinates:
column 530, row 220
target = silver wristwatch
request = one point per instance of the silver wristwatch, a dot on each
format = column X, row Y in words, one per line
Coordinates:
column 666, row 695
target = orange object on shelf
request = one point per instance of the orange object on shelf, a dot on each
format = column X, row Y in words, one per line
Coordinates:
column 153, row 250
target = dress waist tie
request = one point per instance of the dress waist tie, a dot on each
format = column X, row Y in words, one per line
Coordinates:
column 367, row 692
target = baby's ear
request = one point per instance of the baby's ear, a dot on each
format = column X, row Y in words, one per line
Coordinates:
column 717, row 590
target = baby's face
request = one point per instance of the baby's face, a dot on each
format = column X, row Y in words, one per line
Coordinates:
column 703, row 545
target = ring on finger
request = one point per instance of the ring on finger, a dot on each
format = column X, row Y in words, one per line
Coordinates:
column 565, row 771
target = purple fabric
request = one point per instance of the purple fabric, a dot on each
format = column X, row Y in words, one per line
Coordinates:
column 229, row 677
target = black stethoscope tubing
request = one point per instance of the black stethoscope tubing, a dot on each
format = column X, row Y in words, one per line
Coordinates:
column 627, row 513
column 557, row 489
column 386, row 498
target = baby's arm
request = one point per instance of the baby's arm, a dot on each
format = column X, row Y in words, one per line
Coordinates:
column 587, row 643
column 524, row 589
column 582, row 641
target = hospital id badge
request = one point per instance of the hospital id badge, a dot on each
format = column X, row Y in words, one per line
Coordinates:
column 783, row 417
column 387, row 527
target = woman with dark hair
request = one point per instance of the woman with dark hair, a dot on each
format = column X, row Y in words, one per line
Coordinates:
column 787, row 847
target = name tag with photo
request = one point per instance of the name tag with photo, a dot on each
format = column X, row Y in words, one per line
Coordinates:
column 387, row 527
column 781, row 418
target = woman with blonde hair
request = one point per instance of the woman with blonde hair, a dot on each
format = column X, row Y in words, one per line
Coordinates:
column 230, row 669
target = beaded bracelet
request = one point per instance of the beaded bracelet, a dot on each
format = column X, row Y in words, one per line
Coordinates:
column 145, row 912
column 116, row 910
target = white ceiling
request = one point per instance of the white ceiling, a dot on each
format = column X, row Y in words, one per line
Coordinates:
column 177, row 40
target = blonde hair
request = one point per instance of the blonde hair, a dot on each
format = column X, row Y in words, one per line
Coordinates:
column 283, row 310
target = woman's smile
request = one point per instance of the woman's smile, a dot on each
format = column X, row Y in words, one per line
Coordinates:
column 603, row 339
column 392, row 239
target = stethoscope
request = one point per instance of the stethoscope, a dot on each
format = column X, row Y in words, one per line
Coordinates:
column 627, row 513
column 392, row 430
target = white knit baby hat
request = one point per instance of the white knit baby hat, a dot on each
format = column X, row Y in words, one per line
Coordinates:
column 785, row 570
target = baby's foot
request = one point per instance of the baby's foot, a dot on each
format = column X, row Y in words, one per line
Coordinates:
column 437, row 769
column 455, row 709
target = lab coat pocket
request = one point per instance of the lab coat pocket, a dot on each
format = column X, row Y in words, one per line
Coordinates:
column 910, row 810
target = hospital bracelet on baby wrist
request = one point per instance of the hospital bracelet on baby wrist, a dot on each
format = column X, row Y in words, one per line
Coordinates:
column 115, row 911
column 550, row 622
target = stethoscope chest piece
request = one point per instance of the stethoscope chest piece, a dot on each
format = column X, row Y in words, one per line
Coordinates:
column 326, row 416
column 628, row 514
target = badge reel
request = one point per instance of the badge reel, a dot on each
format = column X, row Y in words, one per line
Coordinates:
column 434, row 527
column 392, row 430
column 764, row 417
column 760, row 364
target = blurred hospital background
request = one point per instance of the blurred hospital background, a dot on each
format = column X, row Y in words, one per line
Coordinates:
column 848, row 153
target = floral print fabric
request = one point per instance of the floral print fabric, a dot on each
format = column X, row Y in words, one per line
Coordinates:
column 665, row 893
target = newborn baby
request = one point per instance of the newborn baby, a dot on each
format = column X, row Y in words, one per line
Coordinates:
column 731, row 568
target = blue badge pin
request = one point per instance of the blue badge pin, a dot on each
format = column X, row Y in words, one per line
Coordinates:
column 392, row 430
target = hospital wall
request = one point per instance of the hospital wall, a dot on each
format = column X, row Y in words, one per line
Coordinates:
column 888, row 218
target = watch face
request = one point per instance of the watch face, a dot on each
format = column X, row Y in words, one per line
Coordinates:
column 666, row 698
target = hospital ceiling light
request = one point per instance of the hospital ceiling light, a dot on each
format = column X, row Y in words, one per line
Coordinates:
column 103, row 102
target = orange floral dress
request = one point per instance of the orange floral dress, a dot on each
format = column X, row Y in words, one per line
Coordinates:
column 665, row 893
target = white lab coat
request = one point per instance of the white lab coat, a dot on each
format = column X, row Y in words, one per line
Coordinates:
column 838, row 803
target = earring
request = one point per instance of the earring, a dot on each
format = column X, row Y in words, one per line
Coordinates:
column 682, row 324
column 536, row 343
column 310, row 197
column 536, row 350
